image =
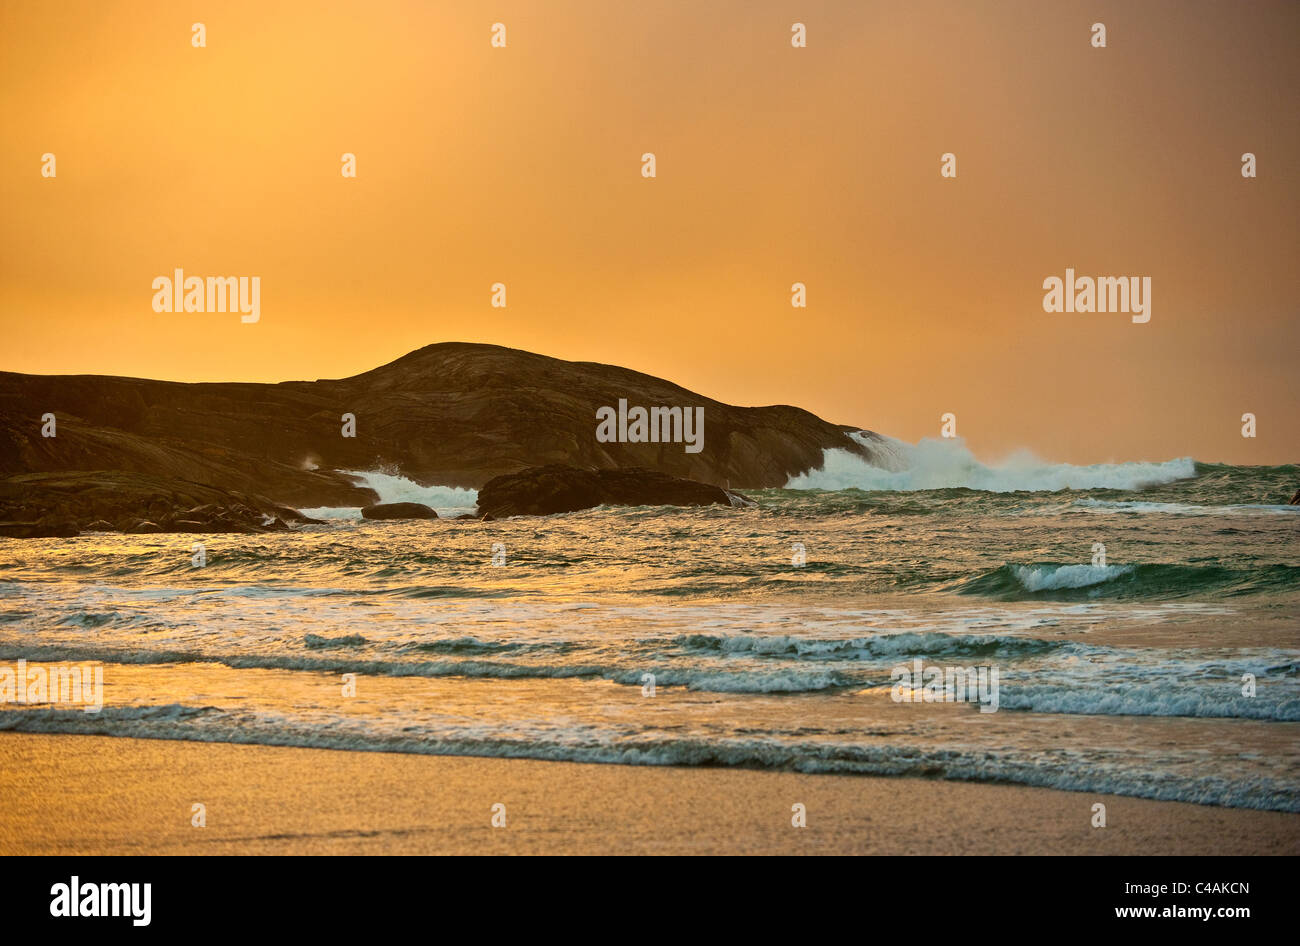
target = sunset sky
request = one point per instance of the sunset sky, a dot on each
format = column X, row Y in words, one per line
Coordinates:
column 775, row 165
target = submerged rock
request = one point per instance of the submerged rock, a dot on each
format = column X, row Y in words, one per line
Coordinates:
column 546, row 490
column 398, row 511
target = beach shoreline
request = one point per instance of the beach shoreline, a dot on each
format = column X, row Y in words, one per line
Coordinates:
column 92, row 795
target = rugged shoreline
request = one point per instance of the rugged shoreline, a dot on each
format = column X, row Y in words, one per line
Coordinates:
column 92, row 453
column 452, row 414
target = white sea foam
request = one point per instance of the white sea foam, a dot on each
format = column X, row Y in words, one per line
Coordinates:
column 1179, row 700
column 1069, row 767
column 447, row 501
column 1052, row 577
column 1181, row 509
column 948, row 464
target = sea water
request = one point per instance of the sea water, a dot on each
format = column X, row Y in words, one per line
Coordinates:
column 1166, row 666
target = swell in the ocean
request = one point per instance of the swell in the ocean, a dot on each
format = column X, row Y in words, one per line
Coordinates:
column 1083, row 581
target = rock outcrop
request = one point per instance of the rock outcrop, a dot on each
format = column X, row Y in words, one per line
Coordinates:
column 452, row 414
column 65, row 504
column 546, row 490
column 398, row 511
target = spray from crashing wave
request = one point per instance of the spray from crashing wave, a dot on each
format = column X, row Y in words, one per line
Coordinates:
column 949, row 464
column 447, row 501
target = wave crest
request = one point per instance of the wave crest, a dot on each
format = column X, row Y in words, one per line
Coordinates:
column 447, row 501
column 949, row 464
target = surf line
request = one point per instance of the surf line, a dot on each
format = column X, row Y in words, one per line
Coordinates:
column 1103, row 294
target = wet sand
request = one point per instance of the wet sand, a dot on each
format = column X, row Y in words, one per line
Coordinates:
column 65, row 794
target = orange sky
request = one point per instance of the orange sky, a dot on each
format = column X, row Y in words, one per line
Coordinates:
column 775, row 165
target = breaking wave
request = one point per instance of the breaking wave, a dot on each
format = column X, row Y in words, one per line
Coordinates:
column 1058, row 581
column 1107, row 771
column 447, row 501
column 949, row 464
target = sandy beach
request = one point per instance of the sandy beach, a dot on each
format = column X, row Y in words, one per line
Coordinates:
column 66, row 794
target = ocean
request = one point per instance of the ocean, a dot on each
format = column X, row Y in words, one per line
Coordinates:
column 1142, row 618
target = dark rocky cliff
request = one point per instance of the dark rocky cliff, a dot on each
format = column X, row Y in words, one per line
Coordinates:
column 455, row 414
